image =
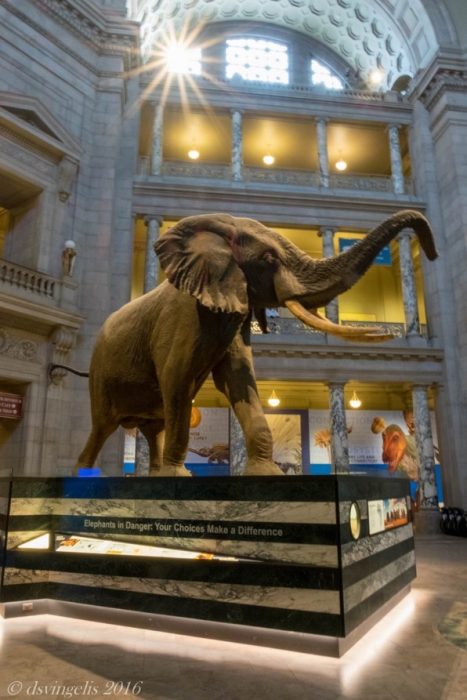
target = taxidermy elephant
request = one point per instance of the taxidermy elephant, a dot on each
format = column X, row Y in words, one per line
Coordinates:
column 154, row 353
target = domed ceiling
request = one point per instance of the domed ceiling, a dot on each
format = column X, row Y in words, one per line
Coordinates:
column 395, row 36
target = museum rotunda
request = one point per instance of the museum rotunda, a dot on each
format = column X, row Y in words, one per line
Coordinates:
column 318, row 118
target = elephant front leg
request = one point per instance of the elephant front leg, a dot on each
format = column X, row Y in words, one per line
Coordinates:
column 177, row 411
column 235, row 377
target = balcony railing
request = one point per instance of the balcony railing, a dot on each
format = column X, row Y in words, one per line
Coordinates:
column 301, row 178
column 27, row 283
column 274, row 176
column 216, row 171
column 292, row 326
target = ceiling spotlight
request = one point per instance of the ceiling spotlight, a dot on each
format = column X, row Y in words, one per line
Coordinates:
column 193, row 154
column 355, row 401
column 376, row 77
column 268, row 159
column 341, row 164
column 274, row 400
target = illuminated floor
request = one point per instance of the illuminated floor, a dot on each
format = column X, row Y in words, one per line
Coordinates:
column 410, row 661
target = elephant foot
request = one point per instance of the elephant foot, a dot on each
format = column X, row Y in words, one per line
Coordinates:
column 263, row 469
column 179, row 470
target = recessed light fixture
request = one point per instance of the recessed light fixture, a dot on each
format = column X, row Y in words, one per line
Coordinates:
column 341, row 164
column 355, row 401
column 268, row 159
column 193, row 153
column 274, row 400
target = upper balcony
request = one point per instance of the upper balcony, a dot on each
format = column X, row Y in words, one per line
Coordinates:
column 265, row 151
column 31, row 298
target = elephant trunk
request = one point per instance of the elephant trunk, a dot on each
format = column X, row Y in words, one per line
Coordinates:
column 328, row 278
column 359, row 257
column 321, row 281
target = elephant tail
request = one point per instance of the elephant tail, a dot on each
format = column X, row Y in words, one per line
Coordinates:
column 53, row 367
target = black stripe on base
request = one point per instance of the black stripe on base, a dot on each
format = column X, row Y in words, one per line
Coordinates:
column 182, row 529
column 209, row 488
column 367, row 607
column 354, row 487
column 209, row 571
column 374, row 562
column 239, row 614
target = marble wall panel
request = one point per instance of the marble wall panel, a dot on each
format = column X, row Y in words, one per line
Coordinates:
column 311, row 600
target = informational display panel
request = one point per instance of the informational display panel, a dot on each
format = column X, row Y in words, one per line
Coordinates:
column 208, row 448
column 11, row 406
column 387, row 514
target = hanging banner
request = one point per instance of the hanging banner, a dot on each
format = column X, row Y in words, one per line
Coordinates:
column 379, row 442
column 11, row 406
column 290, row 440
column 382, row 258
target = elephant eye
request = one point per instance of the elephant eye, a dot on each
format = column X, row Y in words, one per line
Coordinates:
column 270, row 257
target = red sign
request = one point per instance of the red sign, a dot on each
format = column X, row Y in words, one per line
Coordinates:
column 10, row 405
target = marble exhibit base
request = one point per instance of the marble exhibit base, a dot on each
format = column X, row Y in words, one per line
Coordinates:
column 299, row 562
column 257, row 636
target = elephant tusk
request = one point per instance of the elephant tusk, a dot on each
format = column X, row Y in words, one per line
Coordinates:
column 358, row 334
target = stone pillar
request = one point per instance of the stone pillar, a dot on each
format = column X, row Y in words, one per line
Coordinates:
column 151, row 266
column 321, row 133
column 238, row 456
column 409, row 290
column 424, row 440
column 327, row 234
column 157, row 143
column 339, row 442
column 396, row 160
column 237, row 146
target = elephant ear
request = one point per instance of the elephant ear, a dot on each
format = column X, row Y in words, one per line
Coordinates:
column 201, row 264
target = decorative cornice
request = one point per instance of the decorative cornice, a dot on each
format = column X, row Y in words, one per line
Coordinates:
column 346, row 353
column 445, row 79
column 105, row 35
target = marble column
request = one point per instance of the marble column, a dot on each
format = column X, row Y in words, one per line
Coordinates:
column 238, row 455
column 327, row 234
column 151, row 265
column 141, row 455
column 409, row 290
column 424, row 440
column 396, row 160
column 157, row 140
column 339, row 441
column 321, row 133
column 237, row 146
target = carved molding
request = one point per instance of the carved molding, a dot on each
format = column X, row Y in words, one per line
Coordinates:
column 90, row 25
column 67, row 171
column 332, row 352
column 17, row 348
column 22, row 151
column 63, row 339
column 445, row 79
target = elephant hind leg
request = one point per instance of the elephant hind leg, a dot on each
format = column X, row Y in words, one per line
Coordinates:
column 99, row 434
column 154, row 433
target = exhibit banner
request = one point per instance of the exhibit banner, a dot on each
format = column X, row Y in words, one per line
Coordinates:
column 380, row 442
column 290, row 440
column 208, row 447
